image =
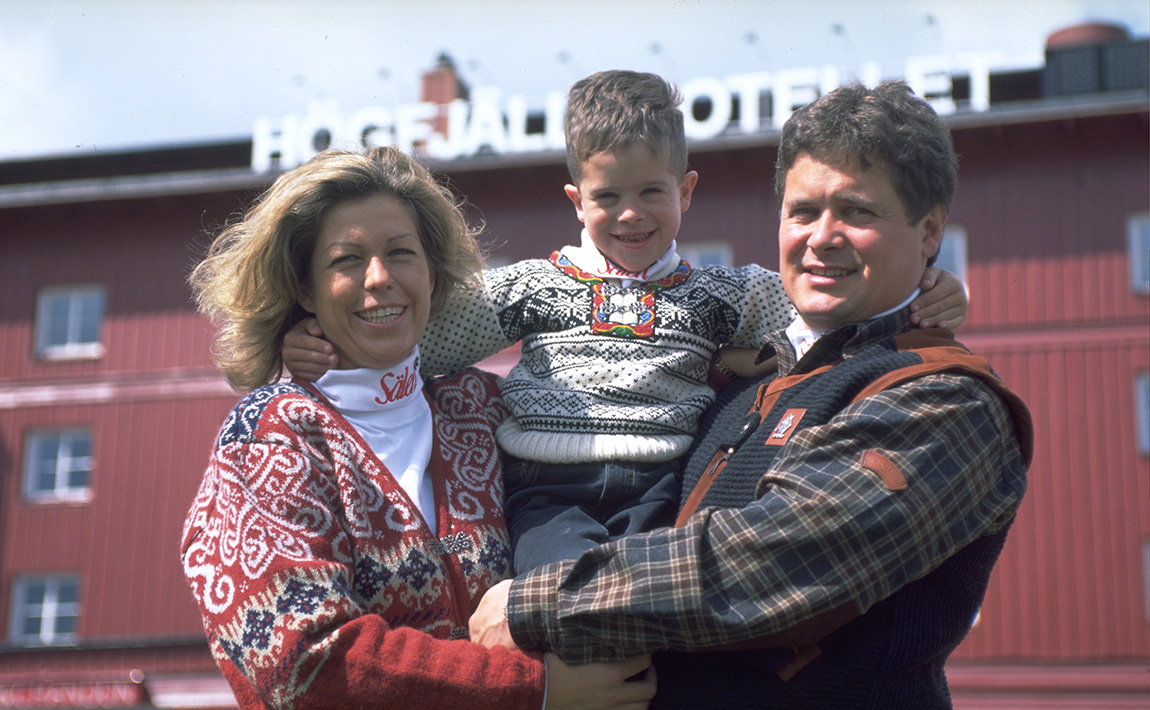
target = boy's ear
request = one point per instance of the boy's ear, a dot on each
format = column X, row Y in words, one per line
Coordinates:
column 686, row 188
column 576, row 199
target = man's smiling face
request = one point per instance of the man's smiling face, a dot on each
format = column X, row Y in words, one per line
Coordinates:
column 847, row 250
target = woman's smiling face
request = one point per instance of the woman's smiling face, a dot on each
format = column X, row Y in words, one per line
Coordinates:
column 370, row 283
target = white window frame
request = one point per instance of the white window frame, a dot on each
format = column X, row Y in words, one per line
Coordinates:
column 952, row 253
column 75, row 346
column 1138, row 246
column 693, row 253
column 49, row 608
column 66, row 463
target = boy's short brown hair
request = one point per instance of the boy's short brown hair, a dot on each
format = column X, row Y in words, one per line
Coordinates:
column 611, row 109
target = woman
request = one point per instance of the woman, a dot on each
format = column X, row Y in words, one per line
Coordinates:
column 344, row 531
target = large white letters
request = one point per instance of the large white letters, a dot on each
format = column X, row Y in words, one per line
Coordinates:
column 492, row 122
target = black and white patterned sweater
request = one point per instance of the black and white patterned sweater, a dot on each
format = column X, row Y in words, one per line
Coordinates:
column 605, row 373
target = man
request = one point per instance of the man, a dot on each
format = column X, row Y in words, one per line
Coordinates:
column 841, row 518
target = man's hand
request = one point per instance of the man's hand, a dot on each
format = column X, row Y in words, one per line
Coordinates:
column 741, row 361
column 489, row 622
column 305, row 353
column 942, row 303
column 624, row 685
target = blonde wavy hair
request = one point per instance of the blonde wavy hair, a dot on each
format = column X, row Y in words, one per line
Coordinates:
column 249, row 283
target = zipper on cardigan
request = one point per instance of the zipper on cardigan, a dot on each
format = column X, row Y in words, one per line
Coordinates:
column 720, row 459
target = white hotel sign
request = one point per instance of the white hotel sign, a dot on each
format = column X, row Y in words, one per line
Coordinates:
column 500, row 123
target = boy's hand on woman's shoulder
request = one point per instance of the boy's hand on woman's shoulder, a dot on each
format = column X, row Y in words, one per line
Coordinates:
column 305, row 353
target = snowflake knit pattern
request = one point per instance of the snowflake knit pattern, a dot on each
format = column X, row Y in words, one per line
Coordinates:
column 605, row 373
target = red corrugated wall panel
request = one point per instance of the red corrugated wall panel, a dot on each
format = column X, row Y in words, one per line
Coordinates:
column 1044, row 205
column 150, row 444
column 149, row 456
column 140, row 250
column 1069, row 584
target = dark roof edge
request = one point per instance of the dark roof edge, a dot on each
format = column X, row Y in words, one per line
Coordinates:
column 242, row 178
column 129, row 187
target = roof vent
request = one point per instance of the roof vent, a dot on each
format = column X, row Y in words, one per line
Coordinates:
column 1094, row 57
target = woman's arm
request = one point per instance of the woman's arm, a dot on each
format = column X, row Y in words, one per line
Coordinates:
column 290, row 602
column 289, row 596
column 460, row 334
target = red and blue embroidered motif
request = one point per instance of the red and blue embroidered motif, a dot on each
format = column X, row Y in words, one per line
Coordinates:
column 622, row 312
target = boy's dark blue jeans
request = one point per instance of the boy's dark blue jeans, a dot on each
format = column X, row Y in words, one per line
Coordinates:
column 558, row 511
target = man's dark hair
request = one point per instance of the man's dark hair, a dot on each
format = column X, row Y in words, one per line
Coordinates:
column 887, row 125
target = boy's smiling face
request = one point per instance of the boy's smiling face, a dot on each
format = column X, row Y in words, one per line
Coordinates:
column 631, row 203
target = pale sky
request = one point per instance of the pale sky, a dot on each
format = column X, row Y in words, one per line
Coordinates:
column 103, row 75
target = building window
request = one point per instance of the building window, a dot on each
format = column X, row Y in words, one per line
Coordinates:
column 58, row 465
column 1142, row 396
column 952, row 251
column 706, row 253
column 45, row 611
column 1138, row 239
column 68, row 322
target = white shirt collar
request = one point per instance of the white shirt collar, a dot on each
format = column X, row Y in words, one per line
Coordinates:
column 802, row 337
column 588, row 258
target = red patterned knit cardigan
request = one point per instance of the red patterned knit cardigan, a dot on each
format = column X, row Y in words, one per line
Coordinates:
column 319, row 582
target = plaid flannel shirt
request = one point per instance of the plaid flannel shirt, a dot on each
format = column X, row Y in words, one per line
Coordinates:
column 821, row 533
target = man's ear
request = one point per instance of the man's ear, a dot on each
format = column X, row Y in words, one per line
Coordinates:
column 686, row 188
column 931, row 228
column 576, row 199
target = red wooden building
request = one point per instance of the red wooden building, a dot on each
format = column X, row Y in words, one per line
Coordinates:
column 109, row 403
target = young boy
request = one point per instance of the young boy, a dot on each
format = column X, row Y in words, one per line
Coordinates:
column 618, row 333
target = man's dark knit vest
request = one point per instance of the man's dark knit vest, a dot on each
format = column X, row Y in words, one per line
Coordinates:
column 890, row 657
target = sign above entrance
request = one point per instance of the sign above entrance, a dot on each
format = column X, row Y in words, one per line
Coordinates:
column 490, row 122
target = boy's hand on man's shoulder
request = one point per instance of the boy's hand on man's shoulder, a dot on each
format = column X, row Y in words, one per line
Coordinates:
column 943, row 302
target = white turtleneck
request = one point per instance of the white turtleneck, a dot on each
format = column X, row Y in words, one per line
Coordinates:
column 388, row 409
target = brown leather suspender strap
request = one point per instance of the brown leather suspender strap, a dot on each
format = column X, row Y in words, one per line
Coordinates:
column 765, row 400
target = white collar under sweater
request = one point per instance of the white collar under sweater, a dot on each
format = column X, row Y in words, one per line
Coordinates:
column 802, row 337
column 388, row 409
column 588, row 258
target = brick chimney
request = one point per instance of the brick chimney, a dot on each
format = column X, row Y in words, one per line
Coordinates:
column 441, row 86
